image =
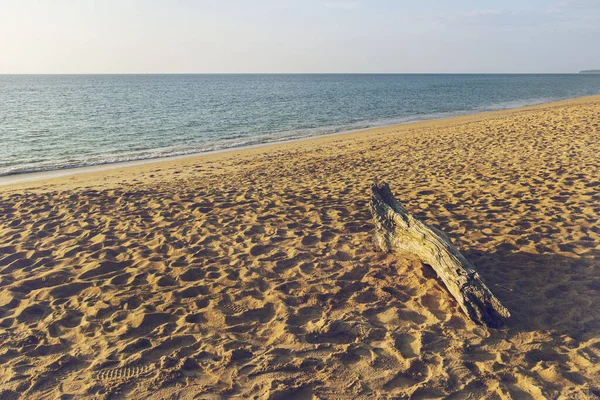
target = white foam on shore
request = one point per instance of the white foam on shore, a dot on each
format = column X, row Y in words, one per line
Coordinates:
column 62, row 170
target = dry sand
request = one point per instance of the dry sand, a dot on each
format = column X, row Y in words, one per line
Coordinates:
column 252, row 273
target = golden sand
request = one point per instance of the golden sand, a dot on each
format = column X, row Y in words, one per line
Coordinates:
column 251, row 273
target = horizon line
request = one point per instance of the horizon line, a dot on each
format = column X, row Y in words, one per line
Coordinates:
column 295, row 73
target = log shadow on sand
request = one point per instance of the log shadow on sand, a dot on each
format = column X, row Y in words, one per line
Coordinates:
column 547, row 292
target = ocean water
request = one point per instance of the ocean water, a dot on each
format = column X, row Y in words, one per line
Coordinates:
column 50, row 122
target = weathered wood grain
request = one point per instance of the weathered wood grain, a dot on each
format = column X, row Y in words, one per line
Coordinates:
column 396, row 229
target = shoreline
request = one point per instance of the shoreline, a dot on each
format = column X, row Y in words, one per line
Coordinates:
column 30, row 176
column 20, row 180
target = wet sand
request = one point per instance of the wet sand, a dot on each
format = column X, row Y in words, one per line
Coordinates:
column 251, row 273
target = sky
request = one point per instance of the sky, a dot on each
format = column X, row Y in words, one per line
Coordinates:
column 298, row 36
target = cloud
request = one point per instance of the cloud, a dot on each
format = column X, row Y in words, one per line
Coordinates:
column 475, row 14
column 347, row 5
column 567, row 6
column 565, row 15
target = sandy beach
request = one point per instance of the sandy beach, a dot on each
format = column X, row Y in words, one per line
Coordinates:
column 252, row 273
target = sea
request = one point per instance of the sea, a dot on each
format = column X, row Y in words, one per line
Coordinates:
column 55, row 122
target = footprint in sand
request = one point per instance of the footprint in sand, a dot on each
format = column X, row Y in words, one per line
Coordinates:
column 192, row 274
column 310, row 240
column 33, row 313
column 408, row 345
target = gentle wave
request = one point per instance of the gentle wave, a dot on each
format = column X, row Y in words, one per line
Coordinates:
column 50, row 123
column 284, row 137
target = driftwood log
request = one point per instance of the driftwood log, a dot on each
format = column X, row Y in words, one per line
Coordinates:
column 396, row 229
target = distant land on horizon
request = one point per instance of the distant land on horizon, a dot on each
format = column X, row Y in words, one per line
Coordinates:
column 590, row 71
